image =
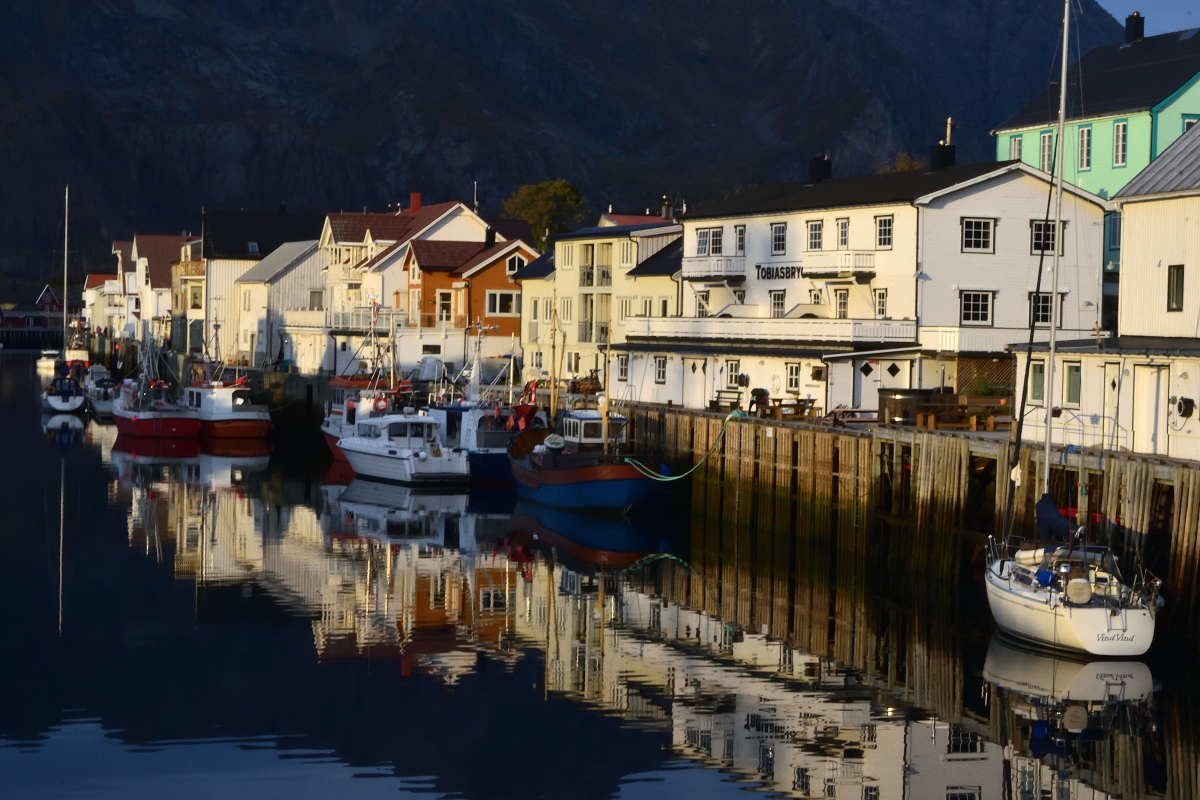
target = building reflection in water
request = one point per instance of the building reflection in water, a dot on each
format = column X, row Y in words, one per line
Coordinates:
column 824, row 672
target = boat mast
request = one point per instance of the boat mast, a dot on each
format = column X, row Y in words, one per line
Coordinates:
column 553, row 356
column 604, row 416
column 66, row 221
column 1056, row 232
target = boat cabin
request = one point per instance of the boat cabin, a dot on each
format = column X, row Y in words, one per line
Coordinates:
column 583, row 429
column 410, row 432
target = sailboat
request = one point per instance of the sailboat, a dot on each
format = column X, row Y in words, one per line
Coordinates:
column 1061, row 591
column 64, row 395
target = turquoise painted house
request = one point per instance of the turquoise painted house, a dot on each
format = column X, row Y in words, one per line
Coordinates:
column 1126, row 104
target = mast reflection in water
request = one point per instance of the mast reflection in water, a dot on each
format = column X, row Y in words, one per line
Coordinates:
column 267, row 625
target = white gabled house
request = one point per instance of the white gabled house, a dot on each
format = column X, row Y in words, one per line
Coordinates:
column 291, row 278
column 1137, row 391
column 830, row 290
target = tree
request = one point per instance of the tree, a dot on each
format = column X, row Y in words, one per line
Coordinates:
column 902, row 162
column 553, row 206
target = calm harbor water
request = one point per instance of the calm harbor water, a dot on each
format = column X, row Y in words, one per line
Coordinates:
column 243, row 623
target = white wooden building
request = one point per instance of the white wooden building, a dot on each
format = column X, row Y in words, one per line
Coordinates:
column 1137, row 391
column 291, row 278
column 836, row 288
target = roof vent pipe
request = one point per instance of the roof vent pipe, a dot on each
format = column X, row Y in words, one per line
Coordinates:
column 1135, row 28
column 820, row 168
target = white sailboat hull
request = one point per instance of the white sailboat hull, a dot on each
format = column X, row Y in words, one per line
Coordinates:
column 1041, row 617
column 63, row 405
column 404, row 466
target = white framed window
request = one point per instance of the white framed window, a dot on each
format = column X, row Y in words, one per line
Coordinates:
column 624, row 308
column 1120, row 143
column 702, row 304
column 976, row 308
column 1014, row 148
column 513, row 264
column 816, row 234
column 664, row 304
column 1175, row 287
column 778, row 238
column 316, row 299
column 702, row 235
column 881, row 304
column 587, row 255
column 647, row 306
column 733, row 370
column 778, row 303
column 566, row 254
column 245, row 299
column 739, row 240
column 1041, row 237
column 564, row 309
column 1085, row 148
column 660, row 369
column 572, row 362
column 883, row 233
column 977, row 235
column 739, row 296
column 716, row 241
column 533, row 309
column 1037, row 382
column 843, row 234
column 623, row 367
column 414, row 302
column 1072, row 383
column 1046, row 154
column 814, row 297
column 537, row 359
column 628, row 253
column 841, row 299
column 1040, row 309
column 793, row 377
column 503, row 304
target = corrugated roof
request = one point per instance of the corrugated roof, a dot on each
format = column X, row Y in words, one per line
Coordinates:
column 1117, row 79
column 611, row 219
column 667, row 261
column 540, row 267
column 280, row 259
column 94, row 281
column 609, row 230
column 861, row 190
column 439, row 255
column 229, row 234
column 1176, row 170
column 160, row 253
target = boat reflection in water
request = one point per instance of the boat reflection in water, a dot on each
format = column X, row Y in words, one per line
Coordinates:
column 1067, row 719
column 600, row 541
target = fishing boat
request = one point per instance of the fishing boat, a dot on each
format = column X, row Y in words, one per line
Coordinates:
column 226, row 410
column 100, row 388
column 350, row 397
column 405, row 448
column 147, row 406
column 48, row 361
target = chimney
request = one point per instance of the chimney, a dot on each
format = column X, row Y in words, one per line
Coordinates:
column 1135, row 28
column 941, row 155
column 667, row 211
column 489, row 238
column 414, row 202
column 282, row 207
column 820, row 168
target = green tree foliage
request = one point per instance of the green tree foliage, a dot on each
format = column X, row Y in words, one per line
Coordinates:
column 553, row 206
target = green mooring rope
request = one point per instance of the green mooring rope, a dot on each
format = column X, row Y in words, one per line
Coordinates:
column 649, row 473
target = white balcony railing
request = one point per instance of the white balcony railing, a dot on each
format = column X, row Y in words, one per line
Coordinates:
column 714, row 267
column 766, row 329
column 841, row 262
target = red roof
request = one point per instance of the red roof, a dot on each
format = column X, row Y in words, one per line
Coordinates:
column 122, row 249
column 436, row 255
column 353, row 227
column 513, row 229
column 94, row 281
column 160, row 253
column 483, row 256
column 631, row 219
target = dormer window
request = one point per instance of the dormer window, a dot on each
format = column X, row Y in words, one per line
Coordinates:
column 252, row 247
column 513, row 264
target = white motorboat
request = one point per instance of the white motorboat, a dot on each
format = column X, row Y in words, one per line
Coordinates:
column 100, row 388
column 64, row 396
column 405, row 448
column 48, row 361
column 1070, row 597
column 226, row 410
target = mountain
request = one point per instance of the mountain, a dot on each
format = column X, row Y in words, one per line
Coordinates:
column 152, row 109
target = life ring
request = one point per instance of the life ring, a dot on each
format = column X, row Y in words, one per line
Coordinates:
column 380, row 404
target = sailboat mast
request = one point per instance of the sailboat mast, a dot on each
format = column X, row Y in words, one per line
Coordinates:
column 1055, row 234
column 604, row 409
column 66, row 222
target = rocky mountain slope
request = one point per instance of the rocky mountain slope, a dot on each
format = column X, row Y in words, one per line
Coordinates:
column 152, row 109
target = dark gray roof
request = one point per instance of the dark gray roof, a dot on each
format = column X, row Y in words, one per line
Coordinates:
column 228, row 234
column 540, row 267
column 1176, row 170
column 1129, row 345
column 610, row 230
column 1117, row 79
column 280, row 259
column 861, row 190
column 667, row 261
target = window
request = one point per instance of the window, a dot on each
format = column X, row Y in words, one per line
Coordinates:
column 841, row 298
column 623, row 368
column 624, row 308
column 252, row 247
column 976, row 308
column 1072, row 380
column 663, row 304
column 803, row 782
column 513, row 264
column 503, row 304
column 1189, row 122
column 883, row 233
column 702, row 304
column 564, row 309
column 648, row 306
column 778, row 238
column 628, row 253
column 1037, row 381
column 660, row 369
column 1114, row 231
column 715, row 243
column 1042, row 237
column 1085, row 148
column 881, row 304
column 197, row 297
column 963, row 792
column 1175, row 287
column 572, row 362
column 843, row 234
column 733, row 369
column 814, row 297
column 587, row 255
column 1039, row 308
column 537, row 359
column 793, row 377
column 739, row 296
column 870, row 793
column 316, row 300
column 977, row 235
column 1014, row 148
column 1046, row 156
column 816, row 230
column 963, row 742
column 567, row 251
column 702, row 242
column 1120, row 143
column 739, row 240
column 778, row 308
column 533, row 309
column 246, row 300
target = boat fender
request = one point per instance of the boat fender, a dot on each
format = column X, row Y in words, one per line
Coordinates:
column 422, row 455
column 1079, row 591
column 1044, row 577
column 50, row 389
column 380, row 404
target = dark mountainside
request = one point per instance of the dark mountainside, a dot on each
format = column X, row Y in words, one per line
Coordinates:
column 152, row 109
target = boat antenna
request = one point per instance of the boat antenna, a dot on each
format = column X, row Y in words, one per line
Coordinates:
column 66, row 225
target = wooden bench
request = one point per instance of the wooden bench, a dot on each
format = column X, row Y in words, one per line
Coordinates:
column 726, row 400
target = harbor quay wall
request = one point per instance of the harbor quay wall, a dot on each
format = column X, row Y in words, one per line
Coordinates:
column 944, row 491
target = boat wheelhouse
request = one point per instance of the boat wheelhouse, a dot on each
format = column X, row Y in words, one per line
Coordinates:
column 349, row 395
column 405, row 448
column 227, row 411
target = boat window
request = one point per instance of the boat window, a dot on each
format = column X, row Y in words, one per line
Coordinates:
column 339, row 396
column 241, row 397
column 368, row 431
column 398, row 430
column 593, row 430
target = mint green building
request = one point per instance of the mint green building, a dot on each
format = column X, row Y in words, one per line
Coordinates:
column 1126, row 104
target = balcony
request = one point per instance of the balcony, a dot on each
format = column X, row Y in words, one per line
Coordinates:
column 708, row 267
column 384, row 320
column 604, row 275
column 841, row 263
column 767, row 330
column 304, row 318
column 593, row 332
column 191, row 269
column 585, row 331
column 587, row 275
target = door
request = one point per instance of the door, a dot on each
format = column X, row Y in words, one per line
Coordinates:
column 1150, row 409
column 444, row 309
column 1112, row 392
column 866, row 384
column 694, row 374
